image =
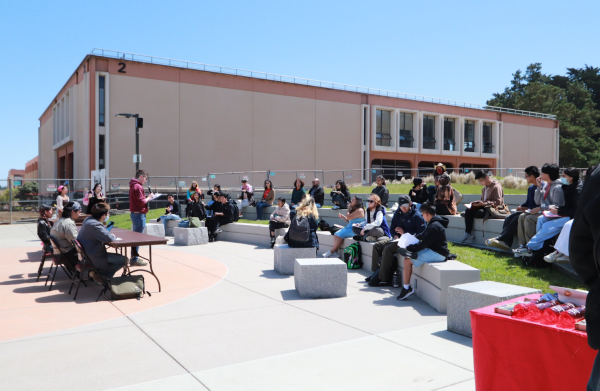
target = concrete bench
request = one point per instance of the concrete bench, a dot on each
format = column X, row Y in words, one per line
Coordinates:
column 432, row 281
column 466, row 297
column 190, row 236
column 285, row 257
column 155, row 229
column 257, row 234
column 170, row 225
column 482, row 231
column 318, row 278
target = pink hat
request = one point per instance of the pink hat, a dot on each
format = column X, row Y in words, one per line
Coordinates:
column 60, row 188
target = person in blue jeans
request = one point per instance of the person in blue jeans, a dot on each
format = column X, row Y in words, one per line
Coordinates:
column 267, row 199
column 432, row 247
column 138, row 206
column 171, row 211
column 354, row 215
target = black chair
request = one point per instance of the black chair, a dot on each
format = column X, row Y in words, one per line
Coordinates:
column 59, row 259
column 86, row 265
column 45, row 255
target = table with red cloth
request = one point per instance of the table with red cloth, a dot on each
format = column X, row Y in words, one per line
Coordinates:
column 521, row 355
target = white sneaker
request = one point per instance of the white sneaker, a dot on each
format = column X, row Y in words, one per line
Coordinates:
column 327, row 254
column 552, row 257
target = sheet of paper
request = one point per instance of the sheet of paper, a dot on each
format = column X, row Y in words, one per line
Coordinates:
column 468, row 206
column 118, row 239
column 156, row 195
column 406, row 240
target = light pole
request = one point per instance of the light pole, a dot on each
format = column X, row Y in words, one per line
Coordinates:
column 139, row 123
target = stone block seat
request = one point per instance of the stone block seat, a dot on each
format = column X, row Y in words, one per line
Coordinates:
column 257, row 234
column 432, row 281
column 319, row 278
column 190, row 236
column 285, row 257
column 155, row 229
column 170, row 225
column 466, row 297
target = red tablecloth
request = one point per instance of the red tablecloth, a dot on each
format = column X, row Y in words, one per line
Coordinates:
column 519, row 355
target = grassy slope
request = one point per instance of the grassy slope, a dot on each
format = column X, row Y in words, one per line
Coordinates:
column 404, row 189
column 494, row 266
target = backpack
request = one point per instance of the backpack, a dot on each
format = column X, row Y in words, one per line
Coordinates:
column 326, row 227
column 352, row 256
column 236, row 211
column 125, row 287
column 299, row 230
column 537, row 258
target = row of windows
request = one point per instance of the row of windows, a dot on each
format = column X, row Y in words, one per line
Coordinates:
column 405, row 133
column 60, row 120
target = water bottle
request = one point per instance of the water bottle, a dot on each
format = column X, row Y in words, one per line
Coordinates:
column 396, row 280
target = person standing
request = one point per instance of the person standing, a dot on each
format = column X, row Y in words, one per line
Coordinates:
column 584, row 251
column 138, row 206
column 61, row 200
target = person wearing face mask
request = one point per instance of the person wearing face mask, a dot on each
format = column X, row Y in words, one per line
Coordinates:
column 550, row 226
column 93, row 236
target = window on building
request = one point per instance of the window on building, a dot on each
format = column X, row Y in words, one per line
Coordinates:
column 101, row 100
column 428, row 132
column 406, row 130
column 488, row 147
column 469, row 136
column 101, row 146
column 449, row 140
column 383, row 136
column 390, row 169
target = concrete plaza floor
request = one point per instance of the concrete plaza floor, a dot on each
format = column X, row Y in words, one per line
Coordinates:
column 225, row 321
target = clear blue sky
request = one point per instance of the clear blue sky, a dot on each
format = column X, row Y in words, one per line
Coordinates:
column 462, row 50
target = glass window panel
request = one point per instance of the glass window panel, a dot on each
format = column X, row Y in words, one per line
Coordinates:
column 428, row 132
column 406, row 130
column 101, row 100
column 469, row 136
column 487, row 138
column 449, row 141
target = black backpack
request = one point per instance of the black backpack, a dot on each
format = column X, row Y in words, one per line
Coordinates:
column 537, row 257
column 236, row 211
column 299, row 230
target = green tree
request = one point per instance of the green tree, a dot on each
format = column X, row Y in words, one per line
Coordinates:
column 574, row 101
column 27, row 192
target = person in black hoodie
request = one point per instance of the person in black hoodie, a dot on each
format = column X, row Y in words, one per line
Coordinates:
column 381, row 190
column 317, row 193
column 171, row 211
column 44, row 226
column 222, row 215
column 584, row 252
column 340, row 196
column 419, row 194
column 432, row 247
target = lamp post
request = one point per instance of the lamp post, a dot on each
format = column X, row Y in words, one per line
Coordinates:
column 139, row 123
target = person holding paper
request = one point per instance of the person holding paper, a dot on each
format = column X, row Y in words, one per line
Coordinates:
column 407, row 220
column 138, row 206
column 491, row 194
column 551, row 225
column 92, row 237
column 514, row 224
column 432, row 247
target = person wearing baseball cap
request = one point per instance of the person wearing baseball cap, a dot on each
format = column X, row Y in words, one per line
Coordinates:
column 407, row 219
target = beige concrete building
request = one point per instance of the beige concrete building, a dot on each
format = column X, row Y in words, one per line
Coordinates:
column 200, row 119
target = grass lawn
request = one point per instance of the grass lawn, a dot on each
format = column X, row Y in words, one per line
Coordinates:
column 404, row 189
column 494, row 266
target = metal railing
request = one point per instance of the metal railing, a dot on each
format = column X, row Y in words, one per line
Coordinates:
column 303, row 81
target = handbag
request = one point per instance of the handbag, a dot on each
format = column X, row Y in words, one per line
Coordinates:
column 497, row 212
column 127, row 287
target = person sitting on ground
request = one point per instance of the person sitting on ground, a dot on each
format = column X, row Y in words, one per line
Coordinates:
column 432, row 247
column 222, row 215
column 94, row 196
column 171, row 211
column 548, row 192
column 193, row 189
column 280, row 218
column 64, row 231
column 513, row 224
column 247, row 196
column 93, row 236
column 419, row 193
column 354, row 215
column 61, row 200
column 211, row 192
column 306, row 217
column 491, row 195
column 407, row 219
column 549, row 227
column 439, row 169
column 340, row 196
column 298, row 193
column 44, row 226
column 381, row 190
column 317, row 193
column 445, row 205
column 375, row 228
column 267, row 199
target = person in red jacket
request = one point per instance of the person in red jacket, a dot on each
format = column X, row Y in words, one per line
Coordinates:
column 138, row 206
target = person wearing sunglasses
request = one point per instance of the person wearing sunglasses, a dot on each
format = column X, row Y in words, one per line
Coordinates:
column 375, row 228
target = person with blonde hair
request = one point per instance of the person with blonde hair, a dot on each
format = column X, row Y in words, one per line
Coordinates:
column 375, row 227
column 303, row 227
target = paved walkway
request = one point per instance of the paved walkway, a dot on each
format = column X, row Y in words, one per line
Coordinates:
column 224, row 321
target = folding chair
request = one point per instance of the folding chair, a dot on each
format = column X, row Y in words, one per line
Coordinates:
column 59, row 259
column 86, row 265
column 45, row 255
